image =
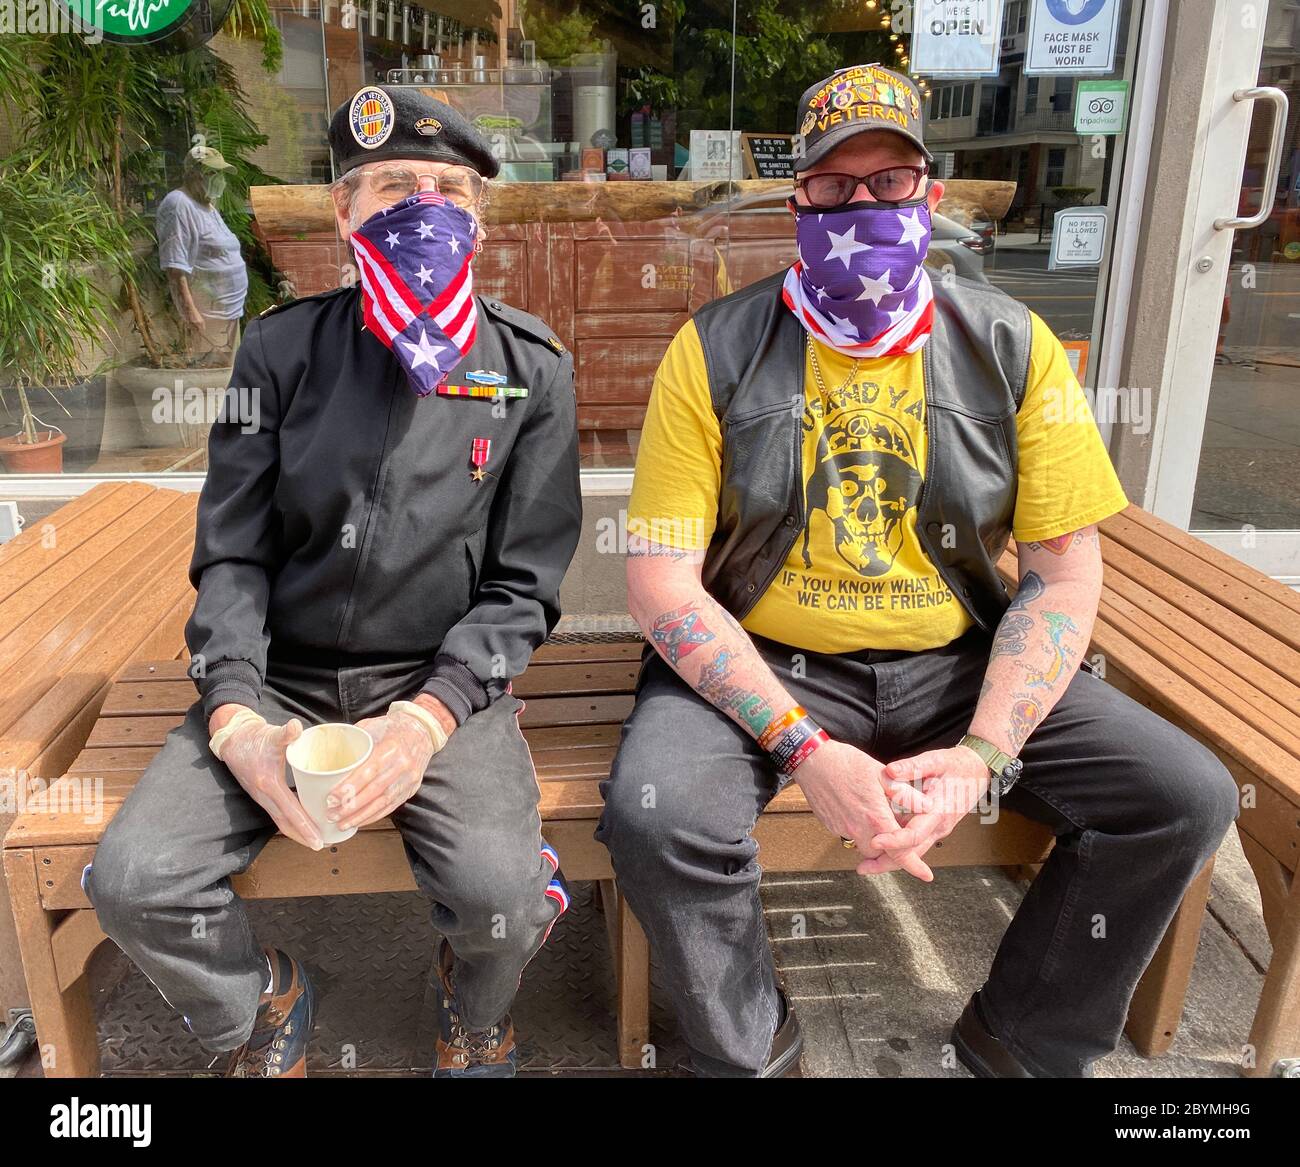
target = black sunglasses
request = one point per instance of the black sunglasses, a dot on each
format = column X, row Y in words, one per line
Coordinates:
column 894, row 184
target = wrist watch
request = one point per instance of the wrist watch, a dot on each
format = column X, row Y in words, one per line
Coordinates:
column 1004, row 768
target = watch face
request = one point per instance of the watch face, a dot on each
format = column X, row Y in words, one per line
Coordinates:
column 1010, row 772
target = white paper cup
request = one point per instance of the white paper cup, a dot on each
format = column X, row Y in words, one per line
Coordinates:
column 320, row 759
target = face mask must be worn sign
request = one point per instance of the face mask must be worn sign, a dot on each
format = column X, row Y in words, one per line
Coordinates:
column 1071, row 36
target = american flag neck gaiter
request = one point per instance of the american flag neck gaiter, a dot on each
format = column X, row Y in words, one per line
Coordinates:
column 859, row 284
column 417, row 284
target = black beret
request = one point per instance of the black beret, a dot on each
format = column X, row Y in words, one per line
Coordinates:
column 402, row 121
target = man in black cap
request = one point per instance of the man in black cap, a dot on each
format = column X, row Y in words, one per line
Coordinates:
column 380, row 541
column 832, row 463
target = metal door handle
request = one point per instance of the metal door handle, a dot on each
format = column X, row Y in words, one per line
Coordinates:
column 1273, row 167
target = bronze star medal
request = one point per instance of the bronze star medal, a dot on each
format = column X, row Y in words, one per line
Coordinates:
column 478, row 456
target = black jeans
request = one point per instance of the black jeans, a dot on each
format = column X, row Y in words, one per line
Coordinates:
column 1137, row 808
column 160, row 882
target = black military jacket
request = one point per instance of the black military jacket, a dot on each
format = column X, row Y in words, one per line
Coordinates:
column 345, row 527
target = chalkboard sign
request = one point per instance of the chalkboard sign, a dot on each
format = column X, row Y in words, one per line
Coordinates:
column 768, row 155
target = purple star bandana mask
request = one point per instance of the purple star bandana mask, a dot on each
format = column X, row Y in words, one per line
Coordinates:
column 859, row 285
column 417, row 288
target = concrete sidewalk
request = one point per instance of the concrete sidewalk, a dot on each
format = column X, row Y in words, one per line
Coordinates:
column 887, row 964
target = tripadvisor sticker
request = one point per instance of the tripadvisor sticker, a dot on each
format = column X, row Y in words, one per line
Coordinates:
column 138, row 22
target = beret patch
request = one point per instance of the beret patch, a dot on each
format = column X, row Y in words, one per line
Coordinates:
column 371, row 117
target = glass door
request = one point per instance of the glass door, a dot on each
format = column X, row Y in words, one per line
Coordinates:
column 1236, row 483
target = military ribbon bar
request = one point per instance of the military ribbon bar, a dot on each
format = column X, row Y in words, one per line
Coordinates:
column 487, row 391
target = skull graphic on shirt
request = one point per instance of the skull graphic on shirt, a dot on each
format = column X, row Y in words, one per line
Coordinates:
column 865, row 481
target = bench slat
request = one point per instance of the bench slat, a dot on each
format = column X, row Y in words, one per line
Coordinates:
column 1219, row 728
column 31, row 554
column 110, row 760
column 1227, row 587
column 562, row 680
column 1216, row 686
column 160, row 695
column 131, row 731
column 93, row 593
column 549, row 654
column 28, row 723
column 1186, row 609
column 1274, row 589
column 598, row 710
column 552, row 651
column 155, row 670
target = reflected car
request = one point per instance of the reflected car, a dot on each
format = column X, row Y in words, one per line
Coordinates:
column 960, row 246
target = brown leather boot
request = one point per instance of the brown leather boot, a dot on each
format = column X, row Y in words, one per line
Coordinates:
column 463, row 1052
column 277, row 1047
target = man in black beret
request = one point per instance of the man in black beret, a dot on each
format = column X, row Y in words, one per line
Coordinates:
column 380, row 542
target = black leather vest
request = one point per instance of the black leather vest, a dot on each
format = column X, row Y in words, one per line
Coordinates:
column 975, row 367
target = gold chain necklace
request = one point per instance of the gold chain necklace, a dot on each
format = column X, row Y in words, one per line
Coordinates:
column 817, row 371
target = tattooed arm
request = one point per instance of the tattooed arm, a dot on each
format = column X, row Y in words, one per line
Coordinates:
column 698, row 637
column 1036, row 651
column 1041, row 639
column 713, row 654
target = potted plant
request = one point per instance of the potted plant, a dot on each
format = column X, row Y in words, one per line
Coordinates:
column 175, row 401
column 56, row 243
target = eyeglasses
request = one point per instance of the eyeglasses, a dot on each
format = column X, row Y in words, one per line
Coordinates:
column 457, row 184
column 895, row 184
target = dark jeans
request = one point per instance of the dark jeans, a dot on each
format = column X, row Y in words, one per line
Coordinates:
column 160, row 882
column 1137, row 808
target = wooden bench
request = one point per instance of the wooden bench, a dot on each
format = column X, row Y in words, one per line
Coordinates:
column 97, row 584
column 1166, row 595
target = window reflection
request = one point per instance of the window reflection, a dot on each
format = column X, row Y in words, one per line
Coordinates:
column 632, row 186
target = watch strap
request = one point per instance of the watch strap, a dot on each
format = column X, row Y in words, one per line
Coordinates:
column 995, row 759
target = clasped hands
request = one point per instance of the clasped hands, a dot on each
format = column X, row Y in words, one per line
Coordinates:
column 254, row 752
column 893, row 813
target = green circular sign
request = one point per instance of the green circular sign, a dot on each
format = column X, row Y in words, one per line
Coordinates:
column 1292, row 249
column 135, row 22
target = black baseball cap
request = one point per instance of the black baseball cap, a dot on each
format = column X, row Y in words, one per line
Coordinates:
column 403, row 121
column 851, row 101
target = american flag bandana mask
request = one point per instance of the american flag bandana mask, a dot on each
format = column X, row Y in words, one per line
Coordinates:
column 417, row 287
column 859, row 285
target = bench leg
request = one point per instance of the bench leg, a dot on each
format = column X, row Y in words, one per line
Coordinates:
column 632, row 960
column 1157, row 1005
column 1275, row 1033
column 65, row 1020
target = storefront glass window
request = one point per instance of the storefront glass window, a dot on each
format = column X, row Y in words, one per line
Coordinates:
column 642, row 175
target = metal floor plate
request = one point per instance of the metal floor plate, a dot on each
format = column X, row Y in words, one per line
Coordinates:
column 369, row 957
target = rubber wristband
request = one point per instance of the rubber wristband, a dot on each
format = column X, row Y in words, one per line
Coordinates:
column 796, row 744
column 804, row 751
column 779, row 725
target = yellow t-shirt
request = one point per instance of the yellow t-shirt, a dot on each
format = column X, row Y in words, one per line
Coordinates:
column 858, row 576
